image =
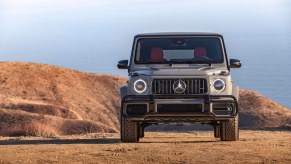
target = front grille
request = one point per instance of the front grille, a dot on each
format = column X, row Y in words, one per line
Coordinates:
column 222, row 109
column 193, row 86
column 179, row 108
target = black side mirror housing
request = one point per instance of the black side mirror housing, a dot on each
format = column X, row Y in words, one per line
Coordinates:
column 122, row 64
column 234, row 63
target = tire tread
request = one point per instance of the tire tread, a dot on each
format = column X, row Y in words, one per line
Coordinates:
column 129, row 131
column 229, row 130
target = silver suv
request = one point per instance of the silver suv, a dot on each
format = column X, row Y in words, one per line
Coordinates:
column 180, row 78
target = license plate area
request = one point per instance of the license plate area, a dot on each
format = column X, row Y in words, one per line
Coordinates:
column 179, row 108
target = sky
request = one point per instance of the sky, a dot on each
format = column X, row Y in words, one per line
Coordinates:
column 92, row 35
column 77, row 34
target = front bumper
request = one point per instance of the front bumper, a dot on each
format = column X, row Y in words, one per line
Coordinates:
column 209, row 104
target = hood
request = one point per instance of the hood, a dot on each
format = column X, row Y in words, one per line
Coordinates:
column 205, row 71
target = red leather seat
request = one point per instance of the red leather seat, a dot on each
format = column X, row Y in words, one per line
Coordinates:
column 157, row 54
column 200, row 52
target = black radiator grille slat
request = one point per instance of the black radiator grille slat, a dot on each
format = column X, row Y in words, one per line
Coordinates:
column 193, row 86
column 188, row 88
column 170, row 85
column 196, row 88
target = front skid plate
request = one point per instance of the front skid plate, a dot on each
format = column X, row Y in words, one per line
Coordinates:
column 172, row 118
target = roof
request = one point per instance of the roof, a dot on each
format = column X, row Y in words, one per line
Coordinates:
column 179, row 34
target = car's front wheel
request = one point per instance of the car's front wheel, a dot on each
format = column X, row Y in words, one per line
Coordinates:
column 216, row 131
column 141, row 131
column 229, row 130
column 129, row 131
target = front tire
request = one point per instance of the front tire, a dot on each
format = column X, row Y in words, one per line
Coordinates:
column 229, row 130
column 216, row 131
column 141, row 131
column 129, row 131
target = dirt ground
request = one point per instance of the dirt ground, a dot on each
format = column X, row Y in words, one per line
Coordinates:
column 156, row 147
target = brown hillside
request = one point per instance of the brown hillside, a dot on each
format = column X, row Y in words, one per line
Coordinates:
column 259, row 111
column 38, row 99
column 57, row 97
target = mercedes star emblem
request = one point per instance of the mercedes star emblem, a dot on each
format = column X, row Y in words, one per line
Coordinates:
column 179, row 86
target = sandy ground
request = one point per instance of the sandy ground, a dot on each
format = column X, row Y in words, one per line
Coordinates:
column 156, row 147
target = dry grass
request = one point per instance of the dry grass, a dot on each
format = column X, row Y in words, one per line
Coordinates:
column 83, row 127
column 35, row 129
column 40, row 130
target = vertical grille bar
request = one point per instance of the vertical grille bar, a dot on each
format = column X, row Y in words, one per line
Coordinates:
column 192, row 87
column 170, row 86
column 196, row 87
column 166, row 86
column 155, row 86
column 199, row 84
column 202, row 86
column 188, row 88
column 160, row 87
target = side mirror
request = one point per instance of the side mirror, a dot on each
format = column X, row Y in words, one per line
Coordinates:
column 122, row 64
column 234, row 63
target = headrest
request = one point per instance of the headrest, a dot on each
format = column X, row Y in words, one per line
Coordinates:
column 157, row 54
column 200, row 52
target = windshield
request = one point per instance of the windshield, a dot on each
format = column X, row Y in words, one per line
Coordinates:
column 179, row 50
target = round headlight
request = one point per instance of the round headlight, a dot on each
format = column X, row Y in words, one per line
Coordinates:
column 219, row 85
column 140, row 86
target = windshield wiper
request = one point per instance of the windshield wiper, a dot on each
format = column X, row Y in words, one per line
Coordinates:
column 190, row 61
column 200, row 62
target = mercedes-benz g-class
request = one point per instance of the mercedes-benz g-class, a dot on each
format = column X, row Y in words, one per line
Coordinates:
column 179, row 78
